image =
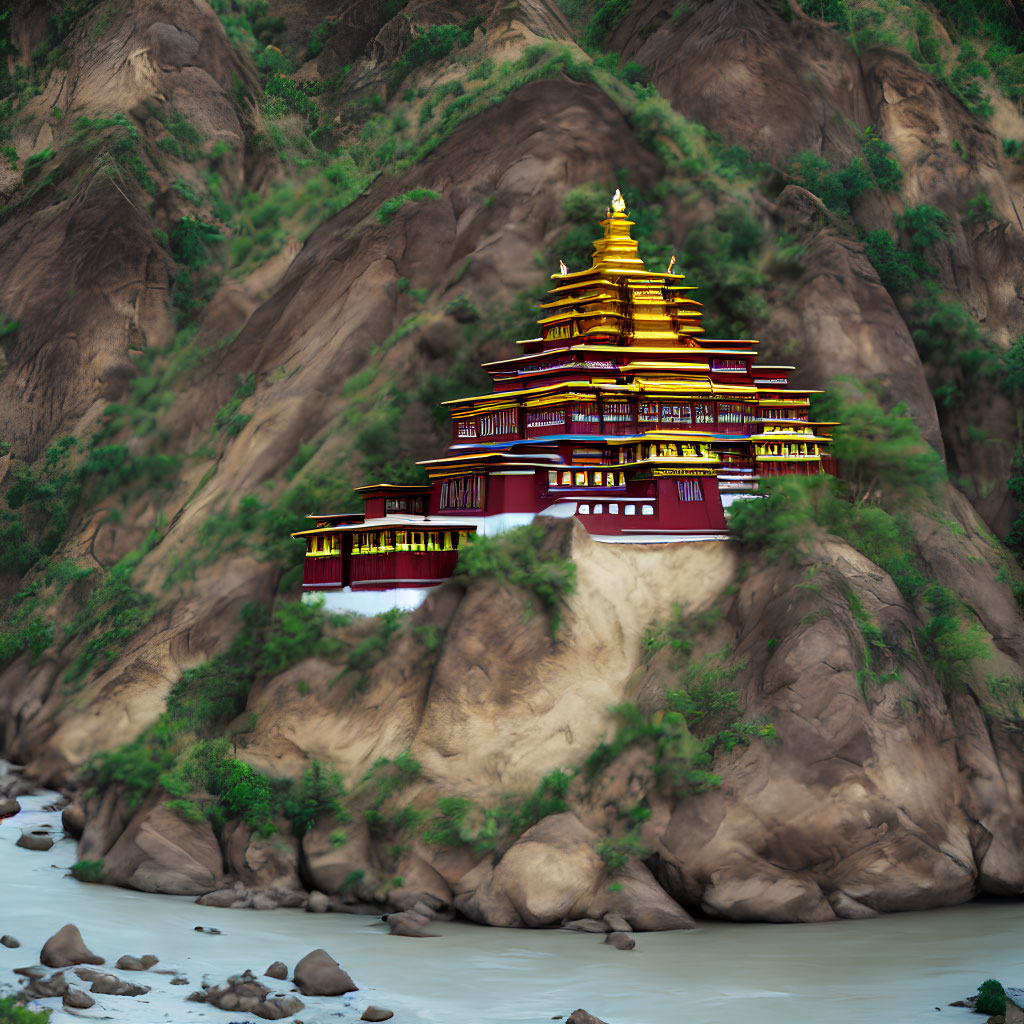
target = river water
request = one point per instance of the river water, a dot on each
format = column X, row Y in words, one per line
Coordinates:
column 898, row 968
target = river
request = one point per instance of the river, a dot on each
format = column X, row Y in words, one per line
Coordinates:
column 898, row 968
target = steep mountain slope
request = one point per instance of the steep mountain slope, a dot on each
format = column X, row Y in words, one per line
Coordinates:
column 244, row 253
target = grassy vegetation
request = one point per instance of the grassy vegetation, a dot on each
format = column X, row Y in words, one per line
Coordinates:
column 12, row 1012
column 887, row 471
column 88, row 870
column 519, row 557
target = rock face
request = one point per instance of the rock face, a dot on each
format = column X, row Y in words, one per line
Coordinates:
column 161, row 852
column 244, row 993
column 319, row 974
column 66, row 947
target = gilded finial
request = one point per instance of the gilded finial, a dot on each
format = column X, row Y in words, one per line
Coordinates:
column 618, row 203
column 562, row 268
column 671, row 264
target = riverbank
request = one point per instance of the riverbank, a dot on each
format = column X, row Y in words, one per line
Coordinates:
column 896, row 968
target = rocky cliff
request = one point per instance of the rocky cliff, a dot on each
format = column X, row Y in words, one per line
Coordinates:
column 245, row 250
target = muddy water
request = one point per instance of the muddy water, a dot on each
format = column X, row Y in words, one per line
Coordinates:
column 897, row 968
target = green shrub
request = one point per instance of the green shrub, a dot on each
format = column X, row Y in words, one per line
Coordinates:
column 317, row 795
column 190, row 241
column 950, row 645
column 10, row 1011
column 36, row 160
column 884, row 167
column 390, row 207
column 520, row 558
column 980, row 209
column 88, row 870
column 991, row 998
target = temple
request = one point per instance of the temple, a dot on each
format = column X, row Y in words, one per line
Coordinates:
column 619, row 413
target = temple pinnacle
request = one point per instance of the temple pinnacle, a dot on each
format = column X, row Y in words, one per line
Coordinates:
column 618, row 203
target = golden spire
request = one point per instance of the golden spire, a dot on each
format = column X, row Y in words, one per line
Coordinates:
column 618, row 204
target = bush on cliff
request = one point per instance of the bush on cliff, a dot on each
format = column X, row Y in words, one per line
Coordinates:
column 521, row 558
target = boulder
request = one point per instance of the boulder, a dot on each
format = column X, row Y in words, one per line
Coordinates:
column 319, row 974
column 72, row 820
column 136, row 963
column 620, row 940
column 9, row 941
column 9, row 807
column 276, row 970
column 281, row 1006
column 582, row 1017
column 66, row 947
column 587, row 924
column 616, row 923
column 247, row 994
column 236, row 896
column 76, row 999
column 161, row 852
column 377, row 1013
column 179, row 981
column 87, row 974
column 112, row 985
column 35, row 839
column 44, row 988
column 409, row 924
column 317, row 902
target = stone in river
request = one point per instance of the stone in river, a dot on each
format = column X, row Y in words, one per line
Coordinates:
column 76, row 999
column 282, row 1006
column 582, row 1017
column 377, row 1013
column 276, row 970
column 136, row 963
column 179, row 981
column 66, row 947
column 587, row 924
column 111, row 985
column 617, row 923
column 55, row 985
column 317, row 902
column 72, row 820
column 9, row 941
column 319, row 974
column 408, row 923
column 8, row 806
column 620, row 940
column 207, row 931
column 34, row 839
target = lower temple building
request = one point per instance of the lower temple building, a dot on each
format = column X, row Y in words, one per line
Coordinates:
column 619, row 413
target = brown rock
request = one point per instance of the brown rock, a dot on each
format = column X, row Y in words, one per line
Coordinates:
column 9, row 941
column 161, row 852
column 616, row 923
column 409, row 924
column 276, row 970
column 587, row 924
column 44, row 988
column 179, row 981
column 270, row 864
column 582, row 1017
column 232, row 897
column 317, row 902
column 87, row 974
column 319, row 974
column 72, row 820
column 66, row 947
column 76, row 999
column 620, row 940
column 135, row 963
column 35, row 839
column 377, row 1013
column 8, row 807
column 111, row 985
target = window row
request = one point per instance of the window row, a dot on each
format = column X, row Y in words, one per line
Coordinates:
column 613, row 509
column 386, row 542
column 585, row 478
column 791, row 448
column 322, row 545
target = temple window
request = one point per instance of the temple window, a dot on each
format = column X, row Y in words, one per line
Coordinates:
column 495, row 423
column 581, row 480
column 583, row 510
column 598, row 510
column 585, row 412
column 617, row 412
column 690, row 490
column 704, row 412
column 462, row 492
column 647, row 510
column 675, row 414
column 647, row 412
column 613, row 509
column 566, row 478
column 466, row 428
column 598, row 479
column 630, row 510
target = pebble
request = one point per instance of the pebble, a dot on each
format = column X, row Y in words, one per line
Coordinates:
column 9, row 941
column 377, row 1013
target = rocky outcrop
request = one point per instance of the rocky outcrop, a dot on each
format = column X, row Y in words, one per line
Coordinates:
column 161, row 852
column 246, row 994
